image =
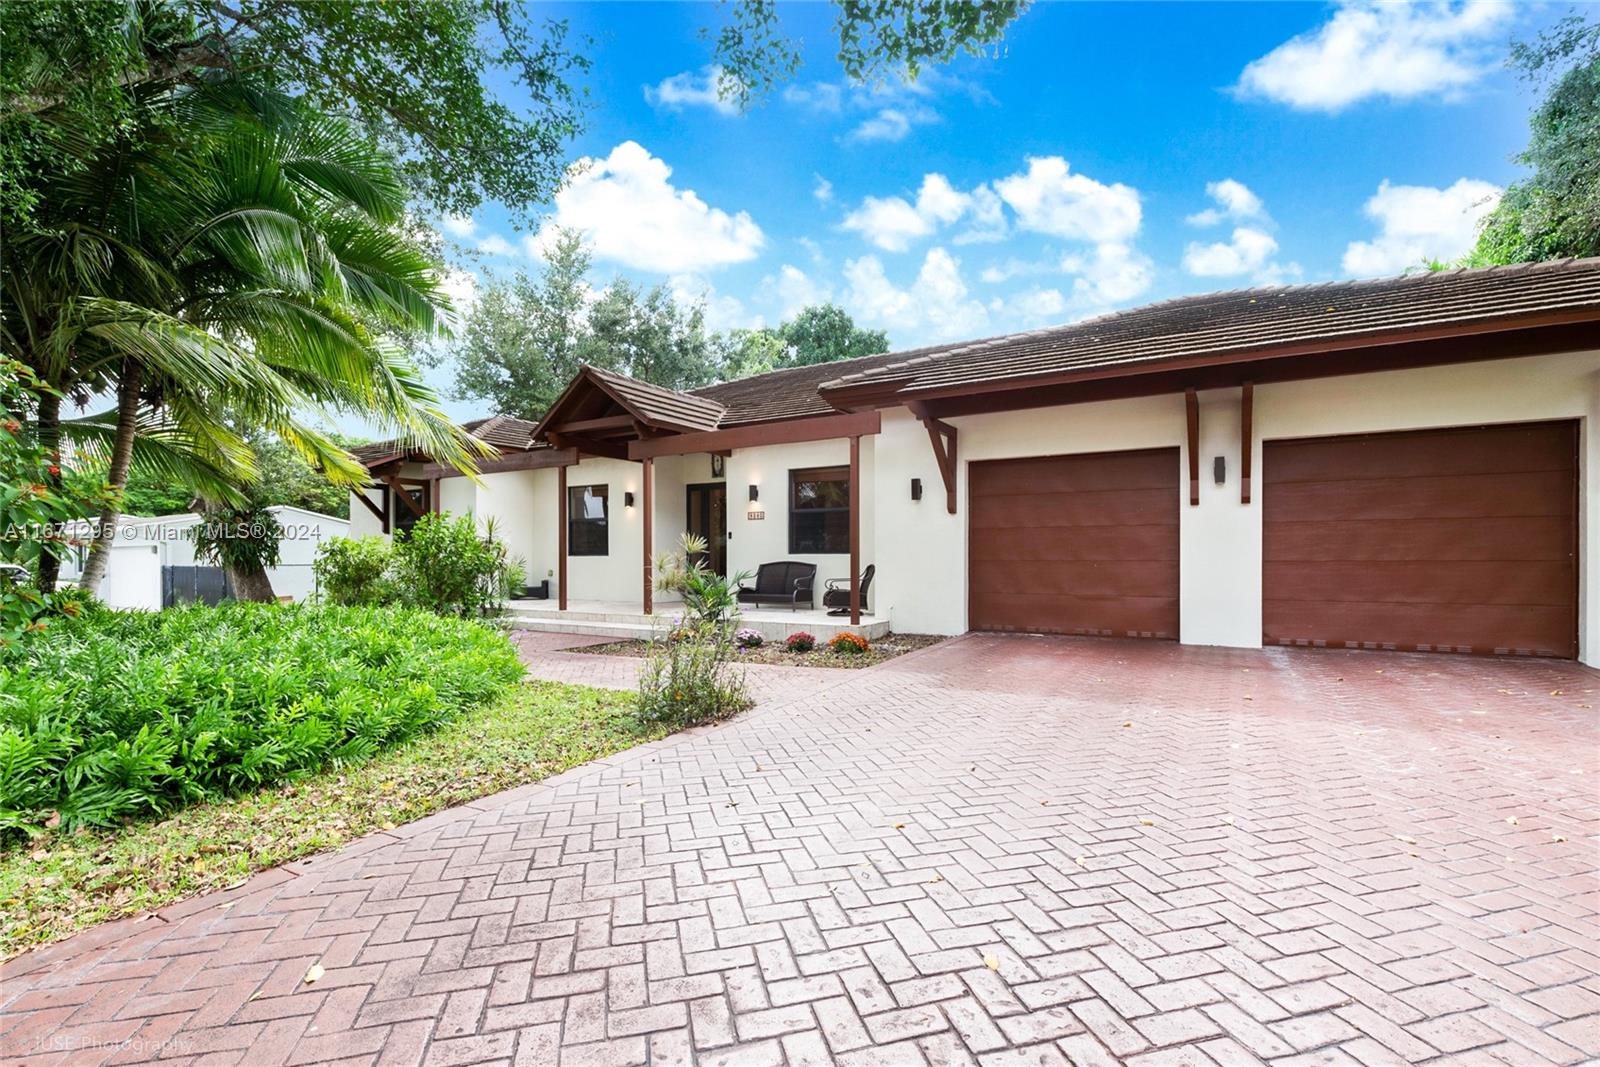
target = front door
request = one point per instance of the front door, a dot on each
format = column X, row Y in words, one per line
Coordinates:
column 708, row 518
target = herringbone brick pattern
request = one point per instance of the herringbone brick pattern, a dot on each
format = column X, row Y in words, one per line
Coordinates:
column 1000, row 850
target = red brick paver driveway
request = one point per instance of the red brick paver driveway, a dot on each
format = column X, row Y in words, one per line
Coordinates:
column 1014, row 850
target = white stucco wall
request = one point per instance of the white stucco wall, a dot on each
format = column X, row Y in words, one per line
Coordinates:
column 924, row 549
column 752, row 542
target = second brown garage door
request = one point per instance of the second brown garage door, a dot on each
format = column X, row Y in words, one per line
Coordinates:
column 1075, row 544
column 1460, row 540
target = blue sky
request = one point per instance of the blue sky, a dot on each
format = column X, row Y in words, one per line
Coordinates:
column 1109, row 155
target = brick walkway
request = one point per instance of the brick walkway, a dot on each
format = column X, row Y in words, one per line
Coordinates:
column 1028, row 851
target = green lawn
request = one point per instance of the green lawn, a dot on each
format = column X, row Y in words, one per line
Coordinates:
column 59, row 884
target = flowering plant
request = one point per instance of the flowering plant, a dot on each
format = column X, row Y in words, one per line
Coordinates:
column 849, row 644
column 800, row 642
column 748, row 638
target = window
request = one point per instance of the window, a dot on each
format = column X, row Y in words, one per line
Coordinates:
column 819, row 511
column 586, row 520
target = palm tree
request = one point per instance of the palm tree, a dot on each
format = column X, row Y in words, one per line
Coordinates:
column 235, row 264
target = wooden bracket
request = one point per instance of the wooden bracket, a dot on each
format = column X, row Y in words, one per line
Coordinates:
column 1191, row 403
column 942, row 436
column 1246, row 440
column 400, row 491
column 589, row 446
column 377, row 512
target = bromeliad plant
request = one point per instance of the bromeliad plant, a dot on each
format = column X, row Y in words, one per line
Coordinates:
column 708, row 597
column 689, row 676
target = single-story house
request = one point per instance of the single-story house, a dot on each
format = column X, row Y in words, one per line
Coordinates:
column 1407, row 463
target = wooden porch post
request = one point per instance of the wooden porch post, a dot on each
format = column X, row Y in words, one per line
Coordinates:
column 649, row 533
column 855, row 530
column 561, row 536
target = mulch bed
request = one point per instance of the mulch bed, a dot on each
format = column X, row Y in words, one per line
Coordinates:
column 885, row 648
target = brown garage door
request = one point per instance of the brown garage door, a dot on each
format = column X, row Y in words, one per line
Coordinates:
column 1075, row 544
column 1460, row 540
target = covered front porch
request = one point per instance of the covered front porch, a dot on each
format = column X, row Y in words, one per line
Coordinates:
column 625, row 621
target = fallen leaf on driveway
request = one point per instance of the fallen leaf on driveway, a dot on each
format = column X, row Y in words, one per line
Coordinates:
column 1147, row 822
column 1408, row 840
column 1511, row 820
column 1558, row 838
column 992, row 962
column 313, row 973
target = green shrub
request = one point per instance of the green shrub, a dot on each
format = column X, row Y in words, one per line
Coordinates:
column 355, row 571
column 445, row 565
column 118, row 714
column 689, row 678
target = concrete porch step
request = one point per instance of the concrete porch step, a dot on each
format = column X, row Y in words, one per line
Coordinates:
column 622, row 631
column 600, row 622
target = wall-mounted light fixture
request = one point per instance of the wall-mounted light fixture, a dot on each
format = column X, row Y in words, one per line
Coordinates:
column 627, row 500
column 1219, row 469
column 755, row 492
column 916, row 489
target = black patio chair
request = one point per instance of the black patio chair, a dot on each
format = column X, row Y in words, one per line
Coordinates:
column 837, row 596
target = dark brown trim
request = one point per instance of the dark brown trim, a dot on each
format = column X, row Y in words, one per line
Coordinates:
column 561, row 535
column 433, row 496
column 399, row 490
column 591, row 446
column 793, row 431
column 649, row 534
column 1246, row 439
column 855, row 530
column 887, row 394
column 609, row 422
column 942, row 436
column 377, row 512
column 1191, row 408
column 537, row 459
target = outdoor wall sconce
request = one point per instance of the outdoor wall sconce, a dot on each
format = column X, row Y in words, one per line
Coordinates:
column 627, row 500
column 1219, row 469
column 916, row 489
column 755, row 492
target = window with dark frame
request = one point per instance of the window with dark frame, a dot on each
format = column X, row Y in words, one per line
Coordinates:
column 404, row 518
column 588, row 507
column 819, row 511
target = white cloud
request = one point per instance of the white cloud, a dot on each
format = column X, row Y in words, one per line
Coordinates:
column 461, row 286
column 824, row 97
column 1375, row 49
column 1113, row 273
column 792, row 289
column 460, row 225
column 893, row 124
column 723, row 311
column 1033, row 306
column 631, row 214
column 496, row 245
column 1246, row 253
column 690, row 89
column 936, row 306
column 1048, row 199
column 1417, row 222
column 822, row 189
column 1234, row 200
column 892, row 222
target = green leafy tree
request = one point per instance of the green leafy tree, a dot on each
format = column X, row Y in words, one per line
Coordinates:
column 823, row 333
column 1555, row 212
column 526, row 338
column 244, row 541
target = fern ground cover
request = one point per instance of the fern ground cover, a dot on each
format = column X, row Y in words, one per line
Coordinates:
column 62, row 882
column 116, row 716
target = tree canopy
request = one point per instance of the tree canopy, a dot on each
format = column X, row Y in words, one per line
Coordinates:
column 1555, row 212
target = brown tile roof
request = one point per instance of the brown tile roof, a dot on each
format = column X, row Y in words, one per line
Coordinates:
column 1248, row 320
column 659, row 405
column 504, row 432
column 785, row 394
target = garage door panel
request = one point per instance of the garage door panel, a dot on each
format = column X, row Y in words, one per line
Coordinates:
column 1093, row 579
column 1478, row 582
column 1529, row 539
column 1052, row 474
column 1089, row 616
column 1084, row 544
column 1400, row 497
column 1352, row 624
column 1067, row 510
column 1056, row 543
column 1462, row 539
column 1432, row 453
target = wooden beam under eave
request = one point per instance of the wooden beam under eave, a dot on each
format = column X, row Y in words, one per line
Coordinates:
column 855, row 530
column 1247, row 439
column 396, row 489
column 1191, row 404
column 787, row 432
column 377, row 512
column 942, row 436
column 590, row 445
column 561, row 537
